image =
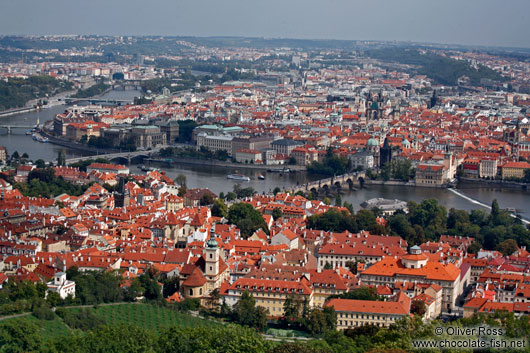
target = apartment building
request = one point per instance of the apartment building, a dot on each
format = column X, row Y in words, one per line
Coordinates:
column 354, row 313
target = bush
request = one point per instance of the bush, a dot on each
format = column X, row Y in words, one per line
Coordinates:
column 84, row 319
column 43, row 312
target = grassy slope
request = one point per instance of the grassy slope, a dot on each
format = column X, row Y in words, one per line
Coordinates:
column 143, row 315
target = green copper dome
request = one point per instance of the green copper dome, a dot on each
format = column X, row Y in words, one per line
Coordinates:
column 372, row 142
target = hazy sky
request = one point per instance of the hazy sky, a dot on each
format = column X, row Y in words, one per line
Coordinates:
column 482, row 22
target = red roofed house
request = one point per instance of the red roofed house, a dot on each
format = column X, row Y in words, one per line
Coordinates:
column 287, row 237
column 416, row 267
column 354, row 313
column 514, row 170
column 107, row 168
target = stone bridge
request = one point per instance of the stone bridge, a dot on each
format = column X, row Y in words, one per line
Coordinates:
column 125, row 156
column 335, row 183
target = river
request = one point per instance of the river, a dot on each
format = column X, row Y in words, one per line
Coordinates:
column 214, row 178
column 19, row 141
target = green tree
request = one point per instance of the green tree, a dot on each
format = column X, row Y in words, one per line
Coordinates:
column 206, row 200
column 61, row 158
column 181, row 180
column 277, row 213
column 40, row 163
column 149, row 282
column 276, row 190
column 19, row 336
column 418, row 307
column 219, row 208
column 230, row 196
column 349, row 207
column 338, row 201
column 292, row 307
column 508, row 247
column 246, row 313
column 361, row 293
column 247, row 219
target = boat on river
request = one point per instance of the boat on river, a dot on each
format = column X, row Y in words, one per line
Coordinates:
column 238, row 177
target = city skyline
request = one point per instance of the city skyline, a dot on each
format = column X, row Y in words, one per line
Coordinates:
column 484, row 23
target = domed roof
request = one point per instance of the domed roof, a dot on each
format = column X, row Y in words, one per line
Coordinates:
column 372, row 142
column 405, row 142
column 211, row 243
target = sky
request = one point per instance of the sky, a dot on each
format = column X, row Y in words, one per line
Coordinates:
column 472, row 22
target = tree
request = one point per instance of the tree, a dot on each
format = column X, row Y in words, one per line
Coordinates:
column 61, row 159
column 292, row 309
column 418, row 307
column 276, row 190
column 474, row 248
column 206, row 199
column 19, row 336
column 230, row 196
column 181, row 180
column 508, row 247
column 219, row 208
column 247, row 219
column 316, row 323
column 333, row 220
column 385, row 172
column 277, row 213
column 338, row 201
column 349, row 207
column 40, row 163
column 365, row 219
column 15, row 155
column 246, row 313
column 361, row 293
column 149, row 282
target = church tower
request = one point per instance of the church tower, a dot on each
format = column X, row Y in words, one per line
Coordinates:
column 385, row 153
column 211, row 254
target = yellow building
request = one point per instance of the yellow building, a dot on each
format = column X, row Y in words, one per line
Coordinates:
column 354, row 313
column 514, row 170
column 269, row 294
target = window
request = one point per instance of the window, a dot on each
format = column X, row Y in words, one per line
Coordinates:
column 191, row 291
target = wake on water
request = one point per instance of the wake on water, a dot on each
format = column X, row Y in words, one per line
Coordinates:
column 481, row 203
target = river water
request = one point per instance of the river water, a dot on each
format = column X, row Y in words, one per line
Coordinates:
column 214, row 177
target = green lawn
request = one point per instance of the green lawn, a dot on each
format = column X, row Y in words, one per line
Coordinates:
column 148, row 316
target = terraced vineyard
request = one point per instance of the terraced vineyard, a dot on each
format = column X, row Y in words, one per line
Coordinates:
column 148, row 316
column 143, row 315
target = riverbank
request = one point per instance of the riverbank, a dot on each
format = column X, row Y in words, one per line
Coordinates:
column 471, row 182
column 16, row 111
column 76, row 146
column 217, row 163
column 390, row 182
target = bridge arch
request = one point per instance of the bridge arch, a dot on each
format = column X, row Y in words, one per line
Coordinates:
column 119, row 159
column 361, row 181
